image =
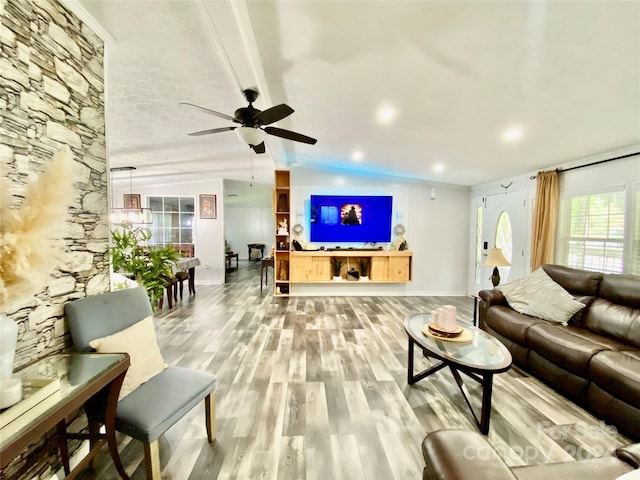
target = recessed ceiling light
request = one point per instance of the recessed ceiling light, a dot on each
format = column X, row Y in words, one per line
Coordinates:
column 357, row 155
column 512, row 134
column 438, row 167
column 386, row 114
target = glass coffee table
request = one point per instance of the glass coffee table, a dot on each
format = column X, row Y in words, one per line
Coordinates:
column 479, row 359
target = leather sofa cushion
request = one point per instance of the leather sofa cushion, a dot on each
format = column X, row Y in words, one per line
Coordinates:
column 613, row 320
column 462, row 455
column 625, row 417
column 569, row 347
column 569, row 384
column 618, row 373
column 509, row 323
column 467, row 455
column 577, row 282
column 622, row 289
column 578, row 318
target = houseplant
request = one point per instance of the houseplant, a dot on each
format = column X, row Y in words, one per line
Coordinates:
column 151, row 267
column 336, row 264
column 364, row 263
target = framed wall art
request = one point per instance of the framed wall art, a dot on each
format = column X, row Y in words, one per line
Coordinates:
column 208, row 206
column 131, row 200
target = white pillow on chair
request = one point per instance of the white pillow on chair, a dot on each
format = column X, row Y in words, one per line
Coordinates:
column 140, row 342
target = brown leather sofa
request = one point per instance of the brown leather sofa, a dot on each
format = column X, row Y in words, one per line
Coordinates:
column 595, row 358
column 466, row 455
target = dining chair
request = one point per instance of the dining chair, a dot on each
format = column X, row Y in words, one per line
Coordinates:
column 158, row 403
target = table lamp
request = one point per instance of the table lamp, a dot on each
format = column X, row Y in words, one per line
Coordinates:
column 496, row 259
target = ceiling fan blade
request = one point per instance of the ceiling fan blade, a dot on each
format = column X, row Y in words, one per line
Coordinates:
column 273, row 114
column 212, row 112
column 260, row 148
column 211, row 130
column 289, row 135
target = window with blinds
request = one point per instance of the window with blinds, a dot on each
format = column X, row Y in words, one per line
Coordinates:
column 595, row 239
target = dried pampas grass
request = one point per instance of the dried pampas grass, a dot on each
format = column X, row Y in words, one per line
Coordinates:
column 28, row 252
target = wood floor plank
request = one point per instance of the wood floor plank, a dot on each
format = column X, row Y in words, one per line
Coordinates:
column 346, row 458
column 295, row 414
column 292, row 463
column 315, row 388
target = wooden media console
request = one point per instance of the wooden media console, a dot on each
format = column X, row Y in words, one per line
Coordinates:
column 384, row 266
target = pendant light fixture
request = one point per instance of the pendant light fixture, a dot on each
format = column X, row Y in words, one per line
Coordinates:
column 133, row 213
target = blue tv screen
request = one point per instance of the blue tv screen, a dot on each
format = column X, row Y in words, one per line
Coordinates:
column 349, row 218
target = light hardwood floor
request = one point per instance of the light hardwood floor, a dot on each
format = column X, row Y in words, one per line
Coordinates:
column 315, row 388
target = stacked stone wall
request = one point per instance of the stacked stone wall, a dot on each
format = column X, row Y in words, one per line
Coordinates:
column 52, row 94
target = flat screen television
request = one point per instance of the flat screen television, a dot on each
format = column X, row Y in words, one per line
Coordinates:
column 350, row 218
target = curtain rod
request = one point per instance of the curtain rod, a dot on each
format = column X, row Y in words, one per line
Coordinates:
column 533, row 177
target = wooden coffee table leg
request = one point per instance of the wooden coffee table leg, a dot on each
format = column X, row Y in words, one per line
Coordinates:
column 487, row 388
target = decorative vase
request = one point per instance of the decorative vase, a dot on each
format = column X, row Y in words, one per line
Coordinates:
column 8, row 341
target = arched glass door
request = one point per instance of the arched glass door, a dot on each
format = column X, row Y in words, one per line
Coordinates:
column 504, row 240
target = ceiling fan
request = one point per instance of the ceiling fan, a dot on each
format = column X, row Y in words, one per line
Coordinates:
column 252, row 130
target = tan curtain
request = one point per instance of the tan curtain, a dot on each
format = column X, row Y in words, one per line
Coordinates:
column 545, row 219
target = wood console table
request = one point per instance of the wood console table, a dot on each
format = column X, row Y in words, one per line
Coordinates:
column 83, row 379
column 256, row 246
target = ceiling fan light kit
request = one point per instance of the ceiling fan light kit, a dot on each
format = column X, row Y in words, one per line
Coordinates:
column 251, row 136
column 251, row 120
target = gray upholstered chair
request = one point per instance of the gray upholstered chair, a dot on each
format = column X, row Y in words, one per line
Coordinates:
column 153, row 407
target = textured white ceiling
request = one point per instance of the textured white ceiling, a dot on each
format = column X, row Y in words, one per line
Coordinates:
column 457, row 73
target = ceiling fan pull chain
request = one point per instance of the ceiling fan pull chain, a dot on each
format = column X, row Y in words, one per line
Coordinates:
column 251, row 166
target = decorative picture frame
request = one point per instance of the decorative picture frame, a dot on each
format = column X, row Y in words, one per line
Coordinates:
column 207, row 206
column 131, row 201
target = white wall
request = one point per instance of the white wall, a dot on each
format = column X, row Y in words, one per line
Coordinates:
column 208, row 233
column 249, row 224
column 437, row 231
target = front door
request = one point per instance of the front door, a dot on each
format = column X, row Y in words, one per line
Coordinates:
column 504, row 226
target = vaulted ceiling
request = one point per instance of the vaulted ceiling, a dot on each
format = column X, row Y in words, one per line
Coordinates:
column 423, row 90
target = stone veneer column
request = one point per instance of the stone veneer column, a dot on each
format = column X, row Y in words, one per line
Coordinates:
column 51, row 94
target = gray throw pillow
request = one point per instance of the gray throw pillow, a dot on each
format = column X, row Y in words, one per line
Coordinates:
column 539, row 296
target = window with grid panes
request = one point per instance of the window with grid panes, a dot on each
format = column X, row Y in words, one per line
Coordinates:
column 173, row 220
column 595, row 239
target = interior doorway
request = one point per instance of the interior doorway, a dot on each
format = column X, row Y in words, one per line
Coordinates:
column 248, row 220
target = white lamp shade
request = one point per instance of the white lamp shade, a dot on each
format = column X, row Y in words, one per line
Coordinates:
column 496, row 258
column 250, row 135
